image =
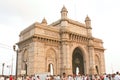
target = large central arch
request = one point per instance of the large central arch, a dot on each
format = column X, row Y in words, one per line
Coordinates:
column 77, row 61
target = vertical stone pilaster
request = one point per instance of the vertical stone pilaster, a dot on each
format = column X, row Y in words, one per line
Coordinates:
column 92, row 57
column 19, row 62
column 63, row 58
column 92, row 62
column 102, row 64
column 39, row 57
column 66, row 58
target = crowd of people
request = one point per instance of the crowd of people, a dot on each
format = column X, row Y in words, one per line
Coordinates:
column 64, row 76
column 105, row 76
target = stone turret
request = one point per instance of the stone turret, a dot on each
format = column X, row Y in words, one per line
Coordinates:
column 64, row 13
column 88, row 25
column 88, row 22
column 44, row 21
column 64, row 21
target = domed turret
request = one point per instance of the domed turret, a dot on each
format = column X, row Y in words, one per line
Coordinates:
column 88, row 25
column 87, row 18
column 64, row 9
column 64, row 13
column 88, row 22
column 44, row 21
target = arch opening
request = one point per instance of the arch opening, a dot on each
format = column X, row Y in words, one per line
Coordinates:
column 50, row 68
column 77, row 70
column 77, row 61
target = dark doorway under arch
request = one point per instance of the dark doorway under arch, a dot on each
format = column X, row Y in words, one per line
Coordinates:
column 77, row 61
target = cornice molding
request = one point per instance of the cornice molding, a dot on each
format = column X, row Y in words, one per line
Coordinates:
column 70, row 21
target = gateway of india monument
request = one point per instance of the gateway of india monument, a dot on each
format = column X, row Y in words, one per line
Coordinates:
column 62, row 46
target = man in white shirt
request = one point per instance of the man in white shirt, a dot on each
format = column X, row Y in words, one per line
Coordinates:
column 79, row 77
column 117, row 76
column 38, row 78
column 2, row 78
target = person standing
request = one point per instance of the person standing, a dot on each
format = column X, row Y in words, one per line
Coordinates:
column 11, row 77
column 64, row 77
column 2, row 78
column 117, row 76
column 38, row 78
column 79, row 77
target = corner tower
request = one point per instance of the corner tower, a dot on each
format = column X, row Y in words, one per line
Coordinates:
column 88, row 26
column 64, row 13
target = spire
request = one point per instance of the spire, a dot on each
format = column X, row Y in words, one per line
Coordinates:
column 44, row 21
column 64, row 12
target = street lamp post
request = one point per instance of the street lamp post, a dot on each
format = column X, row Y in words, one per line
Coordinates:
column 3, row 68
column 16, row 50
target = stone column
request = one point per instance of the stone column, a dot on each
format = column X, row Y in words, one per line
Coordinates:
column 91, row 57
column 64, row 58
column 64, row 52
column 102, row 71
column 66, row 61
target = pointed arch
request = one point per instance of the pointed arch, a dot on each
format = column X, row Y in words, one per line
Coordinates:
column 85, row 56
column 51, row 53
column 51, row 59
column 77, row 61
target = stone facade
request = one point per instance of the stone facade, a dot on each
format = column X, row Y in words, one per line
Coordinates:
column 66, row 44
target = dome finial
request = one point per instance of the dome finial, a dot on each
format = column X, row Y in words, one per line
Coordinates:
column 64, row 12
column 88, row 22
column 44, row 21
column 87, row 18
column 64, row 9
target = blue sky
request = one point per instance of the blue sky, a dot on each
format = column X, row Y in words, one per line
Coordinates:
column 15, row 15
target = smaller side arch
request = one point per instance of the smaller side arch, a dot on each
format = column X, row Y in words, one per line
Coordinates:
column 51, row 59
column 97, row 64
column 51, row 68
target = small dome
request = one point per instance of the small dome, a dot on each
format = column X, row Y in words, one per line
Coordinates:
column 64, row 9
column 87, row 18
column 44, row 21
